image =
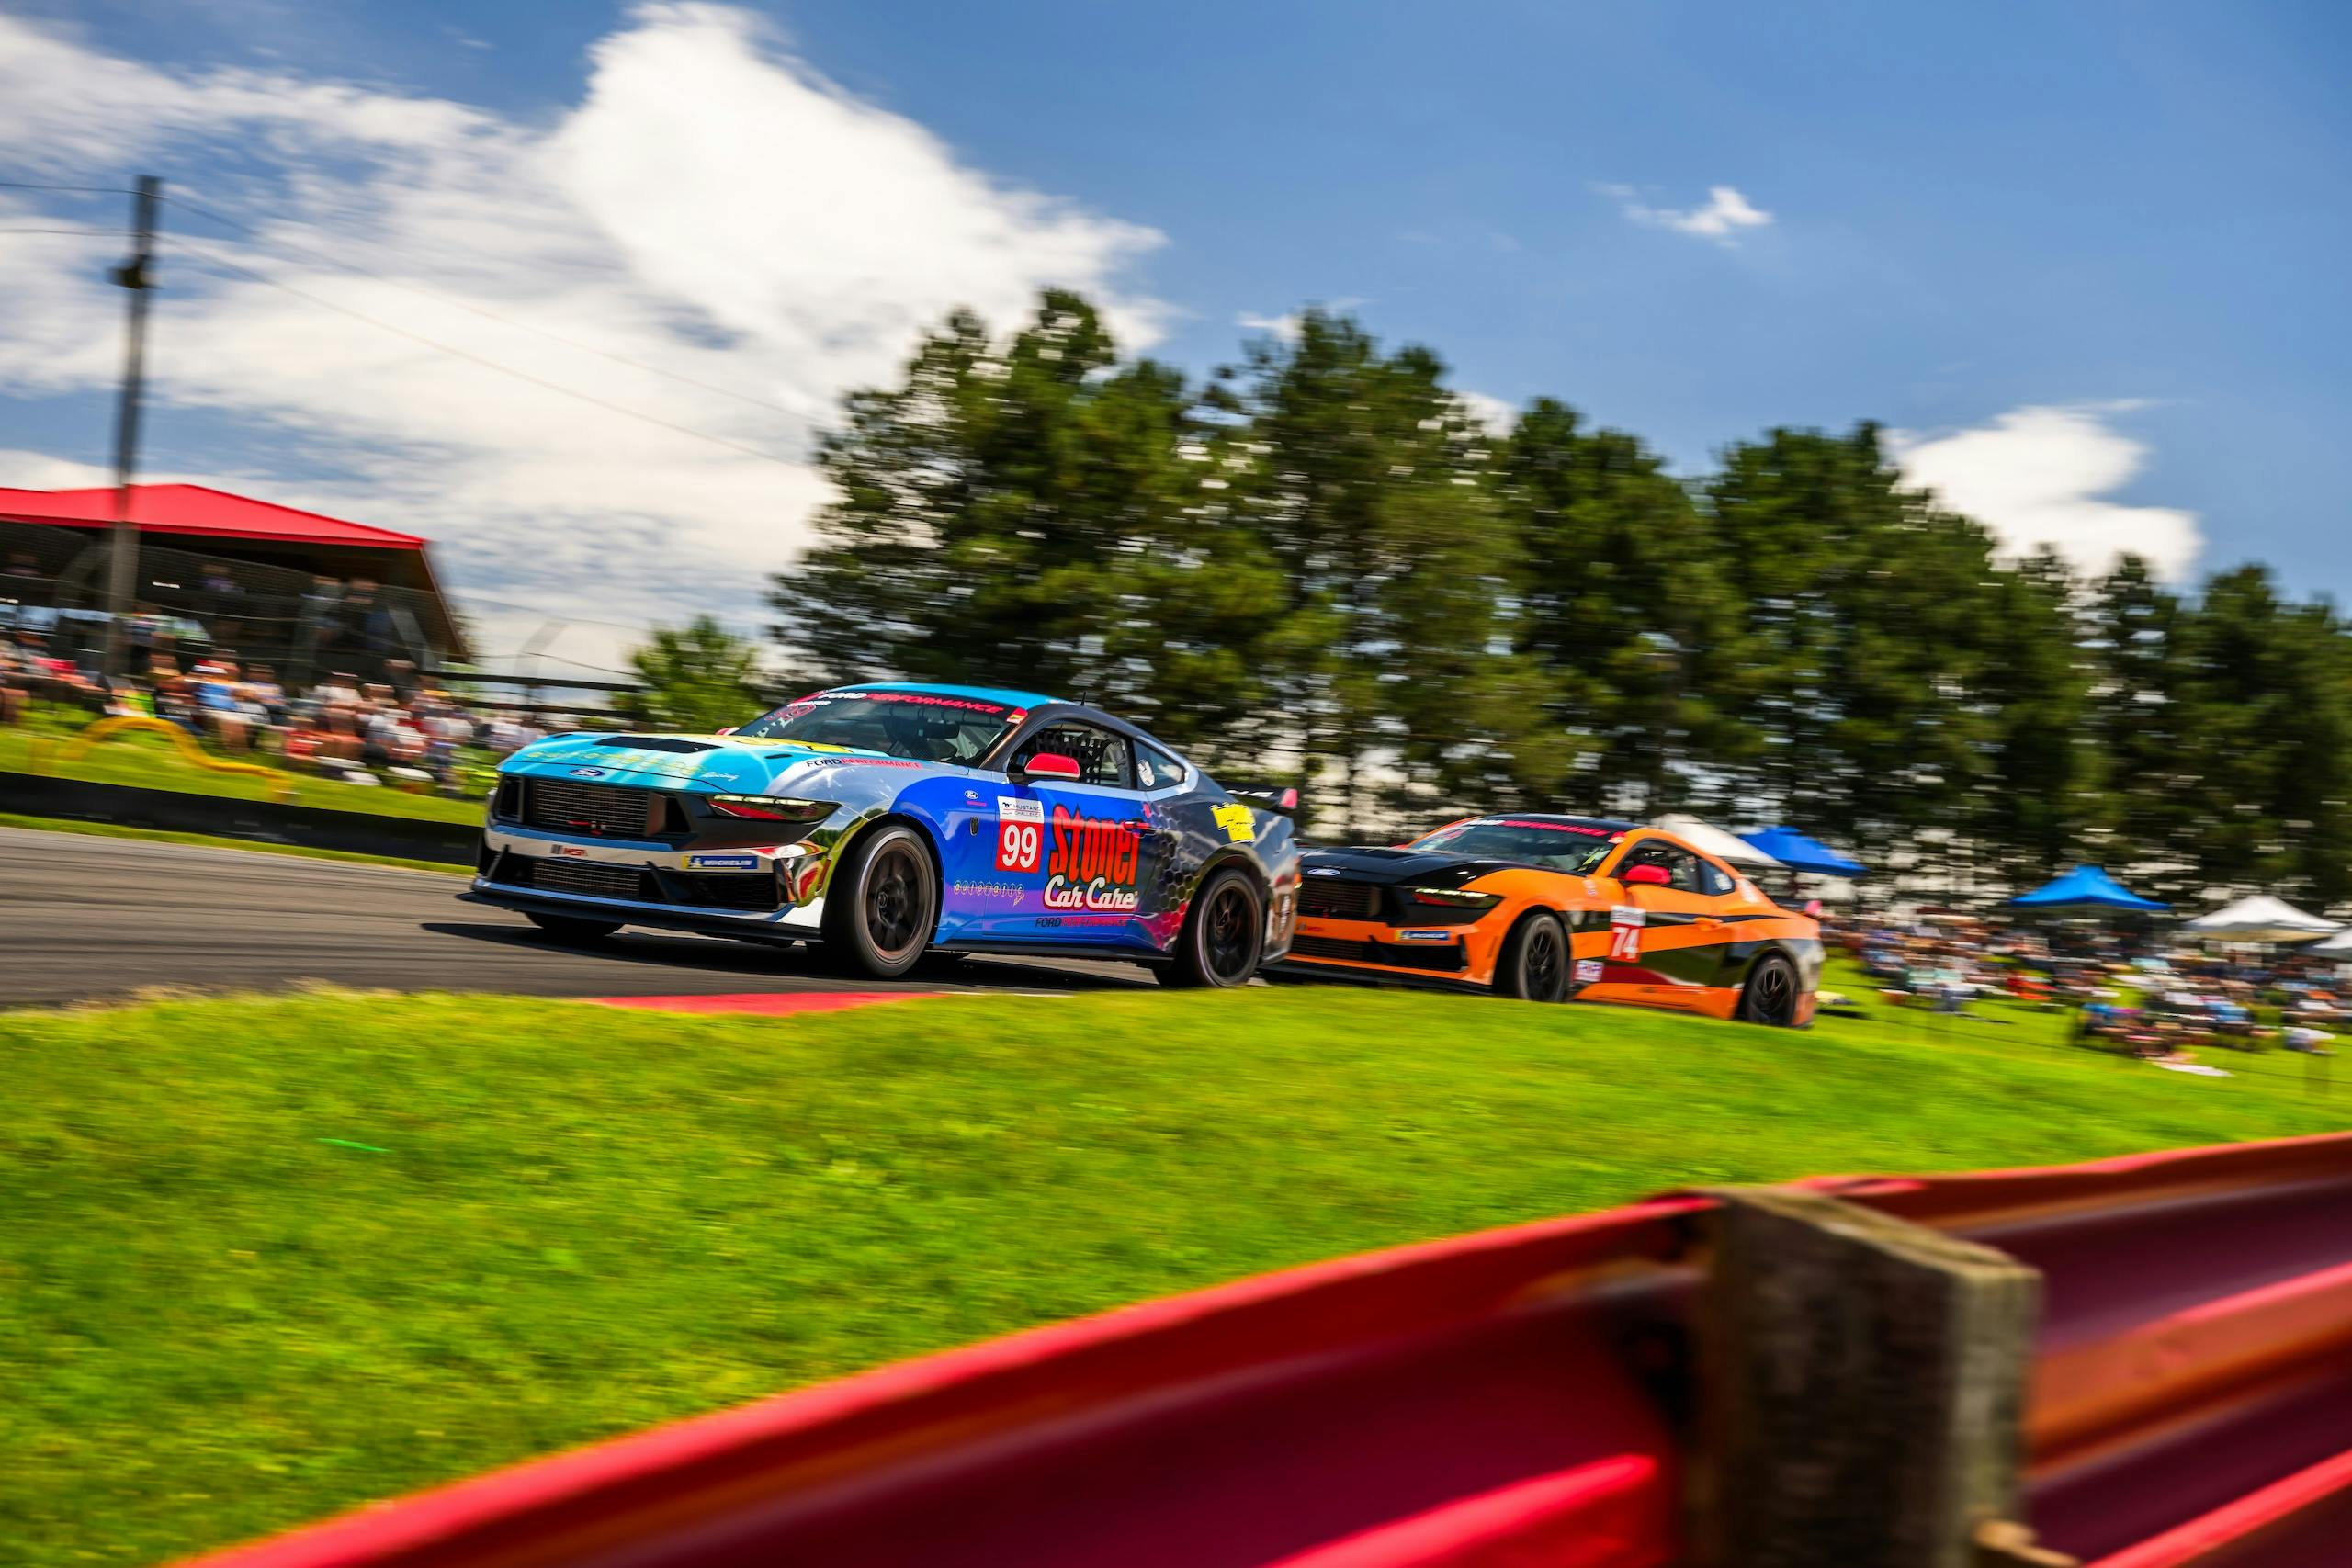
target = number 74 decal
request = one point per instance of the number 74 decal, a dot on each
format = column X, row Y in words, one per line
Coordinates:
column 1625, row 931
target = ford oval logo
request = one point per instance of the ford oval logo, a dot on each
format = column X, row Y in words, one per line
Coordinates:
column 587, row 772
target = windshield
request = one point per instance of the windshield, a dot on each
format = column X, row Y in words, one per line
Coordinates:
column 929, row 727
column 1573, row 847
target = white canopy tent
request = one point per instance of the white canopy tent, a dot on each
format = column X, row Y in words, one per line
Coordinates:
column 1726, row 847
column 2336, row 946
column 2259, row 918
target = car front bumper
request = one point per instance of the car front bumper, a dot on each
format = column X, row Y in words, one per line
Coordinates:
column 653, row 883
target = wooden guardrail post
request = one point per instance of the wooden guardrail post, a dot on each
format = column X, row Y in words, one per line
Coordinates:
column 1862, row 1389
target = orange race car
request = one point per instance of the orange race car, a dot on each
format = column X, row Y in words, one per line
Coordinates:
column 1549, row 907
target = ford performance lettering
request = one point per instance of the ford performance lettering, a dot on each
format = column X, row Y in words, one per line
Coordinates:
column 1093, row 864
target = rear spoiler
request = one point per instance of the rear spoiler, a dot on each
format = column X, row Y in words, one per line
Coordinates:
column 1284, row 801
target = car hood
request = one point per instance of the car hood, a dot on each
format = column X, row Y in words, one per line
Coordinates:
column 1420, row 868
column 712, row 762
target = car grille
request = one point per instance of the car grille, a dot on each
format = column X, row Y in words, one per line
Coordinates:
column 735, row 890
column 588, row 876
column 1444, row 958
column 1328, row 898
column 562, row 805
column 597, row 879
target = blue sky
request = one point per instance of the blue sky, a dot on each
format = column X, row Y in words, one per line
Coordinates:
column 2087, row 255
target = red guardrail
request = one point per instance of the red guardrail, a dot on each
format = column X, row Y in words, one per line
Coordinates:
column 1512, row 1397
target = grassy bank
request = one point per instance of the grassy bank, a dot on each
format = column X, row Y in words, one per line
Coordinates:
column 263, row 1260
column 151, row 761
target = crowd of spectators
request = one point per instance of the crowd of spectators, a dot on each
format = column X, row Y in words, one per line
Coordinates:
column 367, row 716
column 2137, row 991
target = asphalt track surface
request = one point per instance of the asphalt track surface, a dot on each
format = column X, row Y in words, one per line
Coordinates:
column 85, row 919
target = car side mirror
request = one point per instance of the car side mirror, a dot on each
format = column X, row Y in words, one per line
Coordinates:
column 728, row 730
column 1644, row 876
column 1045, row 765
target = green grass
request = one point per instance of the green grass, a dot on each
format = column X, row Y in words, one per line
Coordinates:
column 218, row 1317
column 151, row 762
column 157, row 836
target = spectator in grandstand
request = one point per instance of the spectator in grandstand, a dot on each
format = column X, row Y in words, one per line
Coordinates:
column 391, row 738
column 314, row 625
column 17, row 682
column 263, row 690
column 212, row 686
column 23, row 581
column 446, row 729
column 338, row 690
column 172, row 695
column 367, row 626
column 221, row 603
column 507, row 733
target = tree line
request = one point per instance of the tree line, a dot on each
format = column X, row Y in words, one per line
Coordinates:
column 1318, row 566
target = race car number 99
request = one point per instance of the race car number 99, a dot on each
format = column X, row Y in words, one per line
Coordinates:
column 1016, row 846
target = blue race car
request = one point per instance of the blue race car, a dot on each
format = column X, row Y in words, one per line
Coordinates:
column 885, row 820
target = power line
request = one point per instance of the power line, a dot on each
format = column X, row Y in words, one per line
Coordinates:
column 86, row 233
column 473, row 358
column 70, row 190
column 447, row 299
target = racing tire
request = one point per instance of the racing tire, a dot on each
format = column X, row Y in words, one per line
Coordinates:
column 1223, row 937
column 1534, row 965
column 1769, row 995
column 881, row 905
column 571, row 927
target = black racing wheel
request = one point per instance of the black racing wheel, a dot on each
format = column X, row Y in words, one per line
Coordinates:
column 882, row 905
column 1771, row 995
column 570, row 927
column 1222, row 936
column 1535, row 963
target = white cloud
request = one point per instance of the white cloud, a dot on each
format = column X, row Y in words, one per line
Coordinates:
column 712, row 207
column 1497, row 416
column 2035, row 475
column 20, row 469
column 1725, row 213
column 1284, row 327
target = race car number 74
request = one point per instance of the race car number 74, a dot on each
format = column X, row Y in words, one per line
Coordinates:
column 1625, row 932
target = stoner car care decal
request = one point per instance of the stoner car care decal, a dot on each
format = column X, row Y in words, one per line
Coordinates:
column 1019, row 834
column 1093, row 864
column 1240, row 827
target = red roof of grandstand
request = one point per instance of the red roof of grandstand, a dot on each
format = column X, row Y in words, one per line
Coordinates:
column 198, row 510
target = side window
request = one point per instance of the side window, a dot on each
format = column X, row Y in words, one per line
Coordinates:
column 1714, row 880
column 1681, row 867
column 1101, row 756
column 1157, row 769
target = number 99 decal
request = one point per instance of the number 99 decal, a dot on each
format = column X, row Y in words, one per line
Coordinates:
column 1016, row 846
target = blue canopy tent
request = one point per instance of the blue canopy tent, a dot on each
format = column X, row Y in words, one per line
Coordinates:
column 2085, row 887
column 1797, row 852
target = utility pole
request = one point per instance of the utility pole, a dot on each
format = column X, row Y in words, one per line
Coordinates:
column 122, row 571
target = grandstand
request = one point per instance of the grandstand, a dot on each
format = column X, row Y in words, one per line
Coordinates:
column 297, row 589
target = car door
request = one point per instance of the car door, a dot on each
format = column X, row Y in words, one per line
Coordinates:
column 1094, row 862
column 1681, row 939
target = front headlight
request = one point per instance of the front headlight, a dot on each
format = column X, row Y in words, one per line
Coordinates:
column 771, row 807
column 1449, row 898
